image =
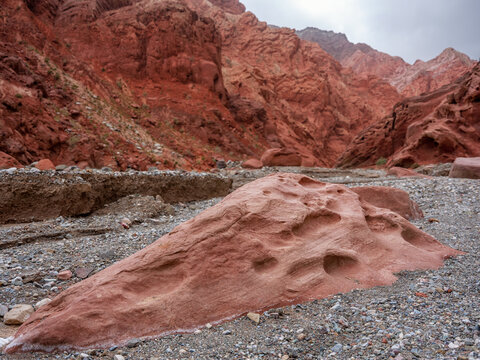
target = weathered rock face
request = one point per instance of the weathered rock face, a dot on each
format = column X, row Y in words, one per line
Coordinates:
column 433, row 128
column 7, row 161
column 134, row 83
column 282, row 239
column 311, row 104
column 409, row 80
column 466, row 168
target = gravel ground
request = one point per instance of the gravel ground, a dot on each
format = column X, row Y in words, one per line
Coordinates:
column 424, row 315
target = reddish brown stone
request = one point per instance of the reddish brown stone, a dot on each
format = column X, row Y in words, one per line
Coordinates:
column 45, row 164
column 252, row 164
column 390, row 198
column 282, row 239
column 65, row 275
column 83, row 272
column 466, row 168
column 281, row 157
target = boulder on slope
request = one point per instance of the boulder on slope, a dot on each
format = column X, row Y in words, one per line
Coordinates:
column 282, row 239
column 466, row 168
column 281, row 157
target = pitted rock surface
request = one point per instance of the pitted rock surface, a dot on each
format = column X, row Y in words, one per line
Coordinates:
column 282, row 239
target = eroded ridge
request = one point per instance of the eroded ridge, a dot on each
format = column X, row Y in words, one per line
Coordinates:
column 281, row 239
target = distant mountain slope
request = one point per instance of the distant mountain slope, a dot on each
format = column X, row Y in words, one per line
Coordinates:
column 409, row 80
column 432, row 128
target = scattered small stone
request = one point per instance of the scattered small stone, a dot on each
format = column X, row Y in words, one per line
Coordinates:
column 337, row 348
column 208, row 326
column 83, row 272
column 254, row 317
column 64, row 275
column 43, row 302
column 61, row 167
column 18, row 315
column 3, row 310
column 17, row 281
column 301, row 336
column 118, row 357
column 126, row 223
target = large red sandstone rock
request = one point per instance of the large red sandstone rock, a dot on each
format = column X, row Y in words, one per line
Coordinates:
column 279, row 240
column 45, row 164
column 390, row 198
column 252, row 164
column 433, row 128
column 281, row 157
column 466, row 168
column 409, row 80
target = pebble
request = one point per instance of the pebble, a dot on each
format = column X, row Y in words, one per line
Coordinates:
column 254, row 317
column 18, row 314
column 17, row 281
column 42, row 302
column 3, row 310
column 64, row 275
column 118, row 357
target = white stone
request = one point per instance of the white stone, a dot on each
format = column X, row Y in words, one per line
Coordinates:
column 42, row 302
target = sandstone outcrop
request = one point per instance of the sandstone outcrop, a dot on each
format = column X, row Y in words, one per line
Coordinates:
column 433, row 128
column 409, row 80
column 252, row 164
column 279, row 240
column 281, row 157
column 466, row 168
column 393, row 199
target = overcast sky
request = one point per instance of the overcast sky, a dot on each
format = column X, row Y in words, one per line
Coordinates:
column 412, row 29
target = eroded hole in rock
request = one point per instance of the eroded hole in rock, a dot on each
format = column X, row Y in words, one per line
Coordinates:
column 310, row 183
column 414, row 238
column 266, row 264
column 315, row 223
column 339, row 265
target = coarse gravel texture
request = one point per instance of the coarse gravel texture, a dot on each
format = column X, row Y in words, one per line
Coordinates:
column 431, row 314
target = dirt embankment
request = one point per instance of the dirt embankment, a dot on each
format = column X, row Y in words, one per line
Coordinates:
column 27, row 196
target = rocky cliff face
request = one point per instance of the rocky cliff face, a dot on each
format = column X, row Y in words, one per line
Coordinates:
column 433, row 128
column 409, row 80
column 134, row 83
column 312, row 104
